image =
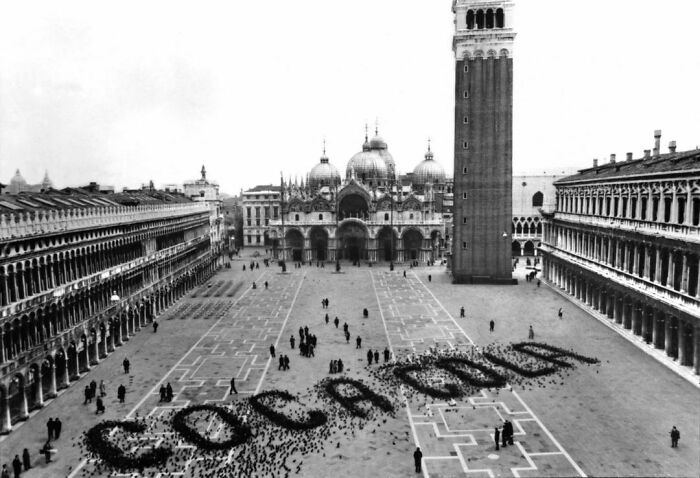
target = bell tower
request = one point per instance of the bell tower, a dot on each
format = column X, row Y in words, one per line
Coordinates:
column 483, row 156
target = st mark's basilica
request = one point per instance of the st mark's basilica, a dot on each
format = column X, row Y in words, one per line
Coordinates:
column 374, row 214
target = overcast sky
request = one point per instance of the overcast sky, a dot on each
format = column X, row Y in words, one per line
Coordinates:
column 123, row 92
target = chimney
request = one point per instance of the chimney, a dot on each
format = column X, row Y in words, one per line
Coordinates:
column 629, row 156
column 672, row 147
column 595, row 162
column 612, row 159
column 647, row 153
column 657, row 142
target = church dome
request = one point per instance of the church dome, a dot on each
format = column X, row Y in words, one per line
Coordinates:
column 324, row 174
column 428, row 171
column 377, row 142
column 18, row 179
column 379, row 145
column 367, row 166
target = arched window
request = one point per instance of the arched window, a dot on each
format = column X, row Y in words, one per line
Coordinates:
column 537, row 199
column 296, row 217
column 480, row 19
column 500, row 18
column 489, row 18
column 386, row 216
column 470, row 19
column 320, row 217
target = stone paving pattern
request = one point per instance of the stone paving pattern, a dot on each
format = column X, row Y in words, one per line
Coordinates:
column 612, row 419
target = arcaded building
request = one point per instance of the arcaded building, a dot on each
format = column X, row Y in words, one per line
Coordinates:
column 624, row 240
column 82, row 271
column 483, row 142
column 370, row 215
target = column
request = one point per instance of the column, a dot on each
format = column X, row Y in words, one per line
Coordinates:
column 685, row 273
column 617, row 310
column 657, row 329
column 696, row 349
column 65, row 378
column 610, row 306
column 668, row 335
column 95, row 351
column 5, row 410
column 24, row 405
column 635, row 318
column 38, row 388
column 671, row 270
column 681, row 339
column 627, row 314
column 647, row 260
column 644, row 312
column 52, row 380
column 657, row 271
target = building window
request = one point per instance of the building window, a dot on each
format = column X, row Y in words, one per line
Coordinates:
column 257, row 239
column 250, row 222
column 275, row 212
column 537, row 199
column 257, row 222
column 248, row 209
column 250, row 239
column 464, row 195
column 410, row 216
column 466, row 68
column 466, row 93
column 464, row 220
column 296, row 217
column 464, row 245
column 465, row 120
column 465, row 145
column 386, row 216
column 464, row 170
column 320, row 217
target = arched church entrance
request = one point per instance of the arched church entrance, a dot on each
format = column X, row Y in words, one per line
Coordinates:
column 319, row 243
column 516, row 251
column 386, row 244
column 295, row 243
column 412, row 244
column 353, row 205
column 352, row 241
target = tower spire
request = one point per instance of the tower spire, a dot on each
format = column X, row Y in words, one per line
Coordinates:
column 376, row 126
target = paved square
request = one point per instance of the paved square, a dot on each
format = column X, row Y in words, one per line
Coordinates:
column 610, row 419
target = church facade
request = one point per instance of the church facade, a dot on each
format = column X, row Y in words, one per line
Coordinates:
column 370, row 215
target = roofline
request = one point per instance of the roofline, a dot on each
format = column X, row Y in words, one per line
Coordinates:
column 621, row 178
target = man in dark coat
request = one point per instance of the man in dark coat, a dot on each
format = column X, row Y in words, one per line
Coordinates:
column 121, row 393
column 163, row 393
column 57, row 428
column 675, row 436
column 126, row 365
column 155, row 326
column 17, row 466
column 376, row 356
column 387, row 354
column 358, row 342
column 49, row 428
column 492, row 324
column 272, row 351
column 369, row 357
column 461, row 312
column 88, row 394
column 169, row 392
column 26, row 460
column 233, row 386
column 417, row 458
column 496, row 436
column 291, row 341
column 336, row 322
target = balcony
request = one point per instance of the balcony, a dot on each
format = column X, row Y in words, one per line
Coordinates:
column 672, row 231
column 52, row 221
column 646, row 287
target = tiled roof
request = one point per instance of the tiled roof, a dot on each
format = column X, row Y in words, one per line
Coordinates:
column 76, row 198
column 264, row 187
column 665, row 163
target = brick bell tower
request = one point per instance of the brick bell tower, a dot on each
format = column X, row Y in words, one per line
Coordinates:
column 483, row 148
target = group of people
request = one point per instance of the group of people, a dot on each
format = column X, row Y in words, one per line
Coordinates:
column 375, row 356
column 17, row 465
column 505, row 435
column 324, row 304
column 166, row 393
column 336, row 366
column 284, row 362
column 91, row 391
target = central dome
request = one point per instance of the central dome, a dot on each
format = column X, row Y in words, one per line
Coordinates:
column 378, row 145
column 368, row 166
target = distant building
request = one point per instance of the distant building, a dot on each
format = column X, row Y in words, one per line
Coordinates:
column 370, row 215
column 19, row 185
column 206, row 191
column 624, row 240
column 531, row 193
column 259, row 205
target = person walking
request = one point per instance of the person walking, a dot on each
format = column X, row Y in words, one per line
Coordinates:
column 376, row 356
column 675, row 436
column 531, row 334
column 386, row 354
column 88, row 395
column 100, row 407
column 404, row 273
column 496, row 436
column 327, row 319
column 163, row 393
column 126, row 364
column 347, row 337
column 417, row 459
column 121, row 393
column 155, row 326
column 233, row 386
column 461, row 312
column 336, row 322
column 57, row 428
column 561, row 314
column 492, row 324
column 5, row 473
column 17, row 466
column 281, row 363
column 93, row 389
column 272, row 351
column 291, row 341
column 430, row 278
column 50, row 428
column 26, row 461
column 369, row 357
column 266, row 284
column 168, row 393
column 103, row 389
column 358, row 342
column 46, row 451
